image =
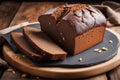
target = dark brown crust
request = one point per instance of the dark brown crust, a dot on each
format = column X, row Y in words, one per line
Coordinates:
column 81, row 16
column 60, row 56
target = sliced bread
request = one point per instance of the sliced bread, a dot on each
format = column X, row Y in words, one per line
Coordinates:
column 24, row 47
column 41, row 42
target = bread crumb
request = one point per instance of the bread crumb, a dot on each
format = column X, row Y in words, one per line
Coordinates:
column 96, row 50
column 43, row 53
column 23, row 75
column 104, row 49
column 13, row 72
column 99, row 51
column 23, row 56
column 49, row 23
column 110, row 41
column 10, row 70
column 80, row 59
column 17, row 57
column 63, row 38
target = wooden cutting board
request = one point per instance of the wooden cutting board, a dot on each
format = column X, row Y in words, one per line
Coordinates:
column 19, row 61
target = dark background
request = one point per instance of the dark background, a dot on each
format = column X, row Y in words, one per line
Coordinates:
column 69, row 1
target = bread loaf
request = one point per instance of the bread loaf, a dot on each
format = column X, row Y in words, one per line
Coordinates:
column 75, row 27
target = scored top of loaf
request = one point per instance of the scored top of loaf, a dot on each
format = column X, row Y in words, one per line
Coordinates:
column 81, row 16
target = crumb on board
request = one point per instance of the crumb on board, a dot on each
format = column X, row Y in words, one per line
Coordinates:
column 99, row 51
column 110, row 41
column 13, row 72
column 9, row 69
column 96, row 50
column 23, row 75
column 80, row 59
column 104, row 49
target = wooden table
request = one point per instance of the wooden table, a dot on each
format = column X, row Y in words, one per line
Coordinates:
column 12, row 13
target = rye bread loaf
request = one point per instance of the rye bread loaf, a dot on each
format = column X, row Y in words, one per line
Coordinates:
column 41, row 42
column 23, row 46
column 75, row 27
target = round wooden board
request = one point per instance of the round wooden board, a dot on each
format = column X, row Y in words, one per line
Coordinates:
column 24, row 64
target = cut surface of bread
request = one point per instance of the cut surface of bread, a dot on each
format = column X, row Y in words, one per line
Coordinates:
column 24, row 47
column 41, row 42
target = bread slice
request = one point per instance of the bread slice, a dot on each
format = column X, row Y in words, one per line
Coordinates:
column 41, row 42
column 23, row 46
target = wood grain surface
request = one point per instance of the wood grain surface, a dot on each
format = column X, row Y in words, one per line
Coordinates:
column 10, row 75
column 7, row 13
column 3, row 66
column 116, row 29
column 114, row 74
column 98, row 77
column 32, row 10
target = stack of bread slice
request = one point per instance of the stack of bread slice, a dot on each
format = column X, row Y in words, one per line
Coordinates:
column 36, row 45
